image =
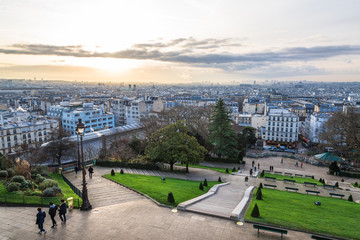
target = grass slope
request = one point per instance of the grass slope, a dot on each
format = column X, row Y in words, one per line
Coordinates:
column 155, row 188
column 222, row 170
column 335, row 217
column 18, row 197
column 297, row 179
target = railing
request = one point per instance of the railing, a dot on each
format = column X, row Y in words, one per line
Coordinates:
column 75, row 189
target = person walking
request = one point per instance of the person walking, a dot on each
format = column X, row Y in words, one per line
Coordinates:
column 251, row 171
column 62, row 211
column 246, row 180
column 301, row 165
column 52, row 212
column 91, row 171
column 40, row 218
column 259, row 166
column 253, row 163
column 76, row 170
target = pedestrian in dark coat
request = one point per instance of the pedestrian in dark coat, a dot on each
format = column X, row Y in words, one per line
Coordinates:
column 52, row 212
column 91, row 171
column 76, row 170
column 62, row 211
column 40, row 218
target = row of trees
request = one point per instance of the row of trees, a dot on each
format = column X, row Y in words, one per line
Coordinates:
column 342, row 132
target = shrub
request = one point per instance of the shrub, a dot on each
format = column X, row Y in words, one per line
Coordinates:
column 26, row 184
column 10, row 172
column 3, row 174
column 28, row 192
column 201, row 187
column 112, row 172
column 48, row 192
column 350, row 198
column 48, row 183
column 262, row 174
column 205, row 183
column 342, row 180
column 238, row 168
column 234, row 169
column 44, row 173
column 13, row 187
column 336, row 184
column 261, row 185
column 356, row 184
column 255, row 212
column 20, row 179
column 57, row 191
column 219, row 180
column 227, row 170
column 121, row 171
column 39, row 179
column 170, row 198
column 320, row 180
column 259, row 194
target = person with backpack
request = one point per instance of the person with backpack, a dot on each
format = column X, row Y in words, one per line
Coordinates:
column 40, row 218
column 62, row 211
column 52, row 212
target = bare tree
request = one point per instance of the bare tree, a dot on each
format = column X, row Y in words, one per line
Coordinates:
column 60, row 146
column 121, row 150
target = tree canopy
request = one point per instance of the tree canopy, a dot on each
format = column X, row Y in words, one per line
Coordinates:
column 172, row 144
column 222, row 133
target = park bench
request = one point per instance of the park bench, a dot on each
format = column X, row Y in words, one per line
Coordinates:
column 289, row 181
column 278, row 173
column 270, row 178
column 290, row 188
column 299, row 175
column 329, row 186
column 267, row 171
column 270, row 229
column 289, row 174
column 269, row 185
column 309, row 176
column 311, row 191
column 310, row 184
column 337, row 195
column 318, row 237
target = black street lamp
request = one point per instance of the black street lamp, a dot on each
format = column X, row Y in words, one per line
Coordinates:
column 80, row 128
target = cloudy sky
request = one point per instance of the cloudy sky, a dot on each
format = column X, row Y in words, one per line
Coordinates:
column 180, row 41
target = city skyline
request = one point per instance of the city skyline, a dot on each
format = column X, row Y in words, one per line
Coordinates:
column 180, row 41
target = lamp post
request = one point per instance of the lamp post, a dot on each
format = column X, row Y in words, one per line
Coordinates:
column 80, row 128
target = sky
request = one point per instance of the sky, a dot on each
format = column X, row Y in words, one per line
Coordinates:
column 188, row 41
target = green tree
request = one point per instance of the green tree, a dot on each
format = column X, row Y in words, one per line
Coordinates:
column 172, row 144
column 222, row 133
column 249, row 134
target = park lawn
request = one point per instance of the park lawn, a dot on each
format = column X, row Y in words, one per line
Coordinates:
column 297, row 179
column 18, row 197
column 335, row 217
column 358, row 186
column 222, row 170
column 158, row 190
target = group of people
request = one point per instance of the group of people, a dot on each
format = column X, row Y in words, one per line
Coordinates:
column 91, row 171
column 271, row 168
column 40, row 216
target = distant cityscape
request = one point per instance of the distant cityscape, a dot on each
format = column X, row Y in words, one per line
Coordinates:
column 283, row 113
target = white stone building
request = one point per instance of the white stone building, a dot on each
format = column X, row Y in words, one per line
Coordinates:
column 314, row 126
column 282, row 127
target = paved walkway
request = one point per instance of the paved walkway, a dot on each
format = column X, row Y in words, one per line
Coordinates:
column 222, row 203
column 137, row 220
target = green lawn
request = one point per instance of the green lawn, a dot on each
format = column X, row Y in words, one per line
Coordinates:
column 155, row 188
column 18, row 197
column 297, row 179
column 358, row 186
column 335, row 217
column 222, row 170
